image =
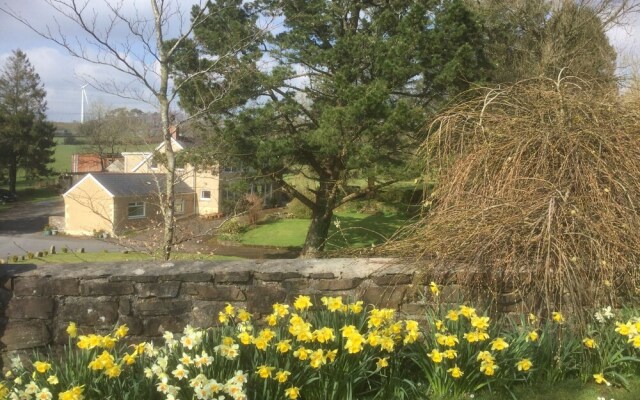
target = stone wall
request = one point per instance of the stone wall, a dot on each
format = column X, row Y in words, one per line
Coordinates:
column 38, row 302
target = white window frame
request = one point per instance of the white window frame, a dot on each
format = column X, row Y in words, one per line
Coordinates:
column 202, row 196
column 179, row 206
column 136, row 204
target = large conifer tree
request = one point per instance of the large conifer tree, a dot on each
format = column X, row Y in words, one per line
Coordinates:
column 339, row 91
column 26, row 138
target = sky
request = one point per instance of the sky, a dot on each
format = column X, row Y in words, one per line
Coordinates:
column 63, row 75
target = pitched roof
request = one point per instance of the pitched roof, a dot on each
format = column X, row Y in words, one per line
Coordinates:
column 128, row 184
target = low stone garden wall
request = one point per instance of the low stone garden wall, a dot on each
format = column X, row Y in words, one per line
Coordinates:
column 38, row 302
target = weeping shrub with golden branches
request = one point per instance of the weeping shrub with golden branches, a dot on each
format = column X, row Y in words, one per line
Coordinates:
column 538, row 192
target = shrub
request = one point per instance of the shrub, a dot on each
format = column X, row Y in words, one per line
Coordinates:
column 538, row 191
column 298, row 210
column 231, row 229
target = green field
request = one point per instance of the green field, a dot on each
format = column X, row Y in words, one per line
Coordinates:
column 62, row 162
column 355, row 230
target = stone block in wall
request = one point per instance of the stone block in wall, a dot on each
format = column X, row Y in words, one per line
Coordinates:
column 275, row 276
column 260, row 299
column 30, row 307
column 387, row 297
column 324, row 285
column 104, row 287
column 209, row 291
column 297, row 286
column 134, row 324
column 5, row 297
column 124, row 306
column 205, row 313
column 45, row 286
column 167, row 289
column 450, row 293
column 89, row 312
column 161, row 307
column 392, row 279
column 133, row 278
column 188, row 277
column 321, row 275
column 232, row 277
column 25, row 334
column 415, row 309
column 156, row 326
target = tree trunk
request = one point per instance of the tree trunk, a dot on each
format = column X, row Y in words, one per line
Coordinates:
column 13, row 174
column 321, row 216
column 317, row 233
column 167, row 201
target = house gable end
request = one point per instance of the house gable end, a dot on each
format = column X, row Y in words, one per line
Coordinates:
column 88, row 176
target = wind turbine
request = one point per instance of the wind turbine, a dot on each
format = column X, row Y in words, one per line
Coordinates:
column 83, row 99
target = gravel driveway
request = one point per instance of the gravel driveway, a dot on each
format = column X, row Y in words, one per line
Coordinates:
column 21, row 230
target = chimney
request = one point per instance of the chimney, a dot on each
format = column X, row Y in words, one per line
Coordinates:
column 174, row 131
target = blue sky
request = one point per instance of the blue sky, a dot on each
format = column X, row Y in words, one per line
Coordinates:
column 62, row 75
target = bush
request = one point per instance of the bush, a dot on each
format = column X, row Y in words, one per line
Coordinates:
column 538, row 192
column 298, row 210
column 231, row 229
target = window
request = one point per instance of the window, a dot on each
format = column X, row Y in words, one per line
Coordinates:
column 135, row 210
column 205, row 195
column 179, row 206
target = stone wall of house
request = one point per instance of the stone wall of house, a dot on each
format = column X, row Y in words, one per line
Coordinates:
column 38, row 302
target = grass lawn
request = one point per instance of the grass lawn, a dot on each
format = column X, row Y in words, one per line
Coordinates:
column 74, row 258
column 573, row 390
column 356, row 230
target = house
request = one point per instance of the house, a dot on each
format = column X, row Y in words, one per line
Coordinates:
column 116, row 202
column 205, row 182
column 92, row 162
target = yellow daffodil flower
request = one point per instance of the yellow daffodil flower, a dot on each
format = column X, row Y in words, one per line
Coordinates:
column 524, row 365
column 455, row 372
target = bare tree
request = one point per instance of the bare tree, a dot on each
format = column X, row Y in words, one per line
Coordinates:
column 139, row 47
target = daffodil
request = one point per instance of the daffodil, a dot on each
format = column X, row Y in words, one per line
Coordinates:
column 488, row 368
column 41, row 366
column 72, row 330
column 292, row 393
column 499, row 344
column 455, row 372
column 382, row 362
column 333, row 304
column 452, row 315
column 283, row 346
column 356, row 307
column 480, row 323
column 600, row 379
column 524, row 365
column 122, row 331
column 436, row 356
column 434, row 288
column 467, row 312
column 557, row 317
column 532, row 336
column 626, row 329
column 302, row 303
column 589, row 343
column 264, row 371
column 282, row 376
